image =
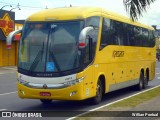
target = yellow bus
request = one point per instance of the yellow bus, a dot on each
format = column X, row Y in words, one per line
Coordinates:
column 78, row 53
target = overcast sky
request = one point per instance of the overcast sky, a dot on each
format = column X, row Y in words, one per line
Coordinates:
column 151, row 17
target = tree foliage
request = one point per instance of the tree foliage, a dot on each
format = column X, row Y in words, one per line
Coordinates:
column 135, row 8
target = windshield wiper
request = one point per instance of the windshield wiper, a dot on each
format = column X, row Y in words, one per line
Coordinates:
column 54, row 59
column 37, row 58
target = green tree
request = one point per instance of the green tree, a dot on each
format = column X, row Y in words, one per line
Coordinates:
column 135, row 8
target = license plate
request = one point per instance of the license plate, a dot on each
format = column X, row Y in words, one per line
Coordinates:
column 45, row 94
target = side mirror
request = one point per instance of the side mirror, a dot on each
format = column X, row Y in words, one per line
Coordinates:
column 10, row 38
column 83, row 36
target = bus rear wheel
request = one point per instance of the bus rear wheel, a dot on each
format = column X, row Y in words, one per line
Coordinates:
column 140, row 85
column 45, row 101
column 99, row 92
column 146, row 79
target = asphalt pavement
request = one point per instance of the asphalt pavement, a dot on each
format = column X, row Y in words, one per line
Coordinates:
column 8, row 69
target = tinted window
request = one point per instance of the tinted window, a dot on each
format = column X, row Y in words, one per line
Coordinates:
column 137, row 36
column 91, row 21
column 145, row 38
column 125, row 35
column 121, row 37
column 113, row 33
column 131, row 35
column 118, row 33
column 106, row 33
column 151, row 40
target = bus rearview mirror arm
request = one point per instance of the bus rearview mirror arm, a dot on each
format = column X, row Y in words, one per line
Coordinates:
column 10, row 38
column 83, row 36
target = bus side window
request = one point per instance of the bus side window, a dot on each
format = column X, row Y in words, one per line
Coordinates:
column 92, row 21
column 105, row 36
column 131, row 34
column 118, row 33
column 151, row 40
column 113, row 33
column 145, row 38
column 95, row 22
column 126, row 41
column 137, row 36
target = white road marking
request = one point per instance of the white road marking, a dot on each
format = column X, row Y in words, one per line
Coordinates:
column 7, row 73
column 3, row 109
column 9, row 68
column 158, row 77
column 111, row 103
column 8, row 93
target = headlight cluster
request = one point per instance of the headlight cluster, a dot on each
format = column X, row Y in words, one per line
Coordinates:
column 22, row 81
column 53, row 86
column 73, row 82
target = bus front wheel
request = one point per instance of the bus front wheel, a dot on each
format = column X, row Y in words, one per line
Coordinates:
column 99, row 92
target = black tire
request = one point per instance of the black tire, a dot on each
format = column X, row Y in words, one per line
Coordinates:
column 145, row 82
column 140, row 85
column 45, row 101
column 99, row 93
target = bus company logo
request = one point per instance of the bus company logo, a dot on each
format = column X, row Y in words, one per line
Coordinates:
column 6, row 24
column 118, row 54
column 45, row 86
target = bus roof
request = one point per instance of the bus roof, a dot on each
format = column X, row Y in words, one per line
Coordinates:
column 66, row 13
column 75, row 13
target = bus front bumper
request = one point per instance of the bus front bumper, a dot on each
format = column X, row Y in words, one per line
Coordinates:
column 74, row 92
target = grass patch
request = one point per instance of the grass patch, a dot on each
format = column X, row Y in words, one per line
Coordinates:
column 138, row 99
column 127, row 103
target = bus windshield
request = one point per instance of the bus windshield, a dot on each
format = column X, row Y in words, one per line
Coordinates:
column 50, row 47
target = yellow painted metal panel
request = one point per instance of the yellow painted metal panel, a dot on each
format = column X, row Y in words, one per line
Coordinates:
column 67, row 13
column 59, row 94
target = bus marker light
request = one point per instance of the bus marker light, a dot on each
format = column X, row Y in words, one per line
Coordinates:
column 22, row 92
column 73, row 93
column 9, row 46
column 82, row 45
column 45, row 94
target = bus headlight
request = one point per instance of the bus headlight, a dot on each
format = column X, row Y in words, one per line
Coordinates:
column 73, row 82
column 22, row 81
